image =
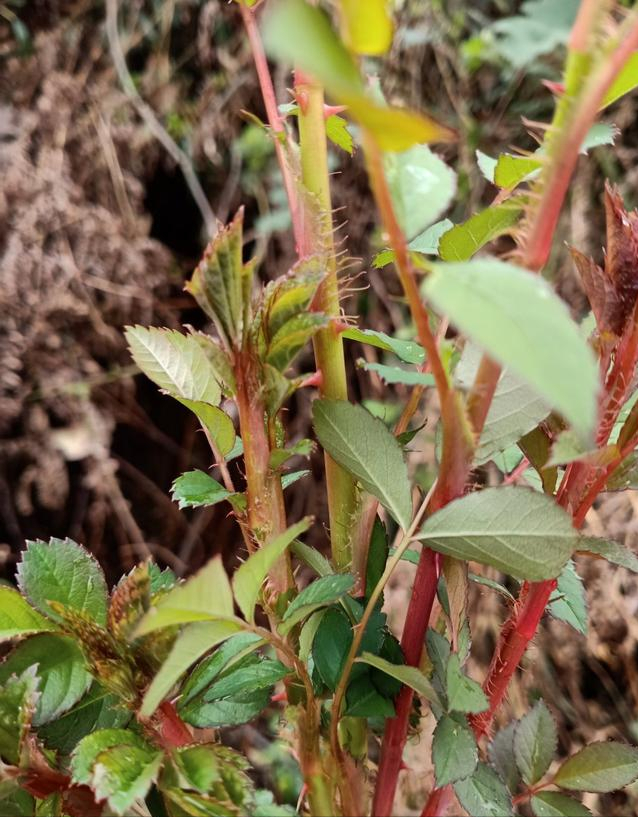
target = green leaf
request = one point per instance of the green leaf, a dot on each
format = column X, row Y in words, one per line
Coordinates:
column 220, row 360
column 454, row 751
column 301, row 34
column 174, row 362
column 364, row 446
column 216, row 422
column 237, row 647
column 377, row 557
column 123, row 775
column 511, row 170
column 289, row 479
column 422, row 187
column 554, row 804
column 227, row 711
column 599, row 767
column 216, row 284
column 484, row 793
column 409, row 351
column 319, row 593
column 463, row 694
column 311, row 557
column 515, row 409
column 409, row 676
column 194, row 640
column 195, row 489
column 614, row 552
column 263, row 674
column 519, row 320
column 429, row 240
column 363, row 700
column 567, row 602
column 501, row 754
column 330, row 647
column 250, row 576
column 63, row 679
column 518, row 531
column 206, row 595
column 625, row 476
column 625, row 81
column 542, row 26
column 18, row 700
column 338, row 133
column 307, row 634
column 465, row 240
column 292, row 337
column 395, row 374
column 17, row 617
column 62, row 571
column 367, row 26
column 18, row 803
column 97, row 710
column 209, row 767
column 487, row 165
column 302, row 448
column 90, row 747
column 600, row 134
column 485, row 582
column 535, row 741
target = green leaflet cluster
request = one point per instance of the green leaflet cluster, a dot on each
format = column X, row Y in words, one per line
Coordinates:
column 522, row 756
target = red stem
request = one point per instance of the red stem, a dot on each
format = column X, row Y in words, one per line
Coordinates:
column 274, row 119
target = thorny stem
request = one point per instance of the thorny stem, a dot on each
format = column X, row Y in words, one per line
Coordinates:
column 318, row 240
column 266, row 513
column 525, row 618
column 274, row 119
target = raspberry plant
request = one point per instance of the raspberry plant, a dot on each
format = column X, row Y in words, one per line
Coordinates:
column 109, row 701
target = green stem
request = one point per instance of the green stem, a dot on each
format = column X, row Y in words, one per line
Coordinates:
column 318, row 240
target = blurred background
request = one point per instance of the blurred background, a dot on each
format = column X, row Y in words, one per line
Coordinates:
column 105, row 133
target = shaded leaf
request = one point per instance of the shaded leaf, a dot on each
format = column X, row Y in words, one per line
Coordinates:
column 521, row 532
column 484, row 793
column 463, row 694
column 363, row 700
column 612, row 551
column 319, row 593
column 292, row 337
column 409, row 676
column 535, row 741
column 429, row 240
column 516, row 408
column 454, row 750
column 364, row 446
column 501, row 754
column 97, row 710
column 330, row 646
